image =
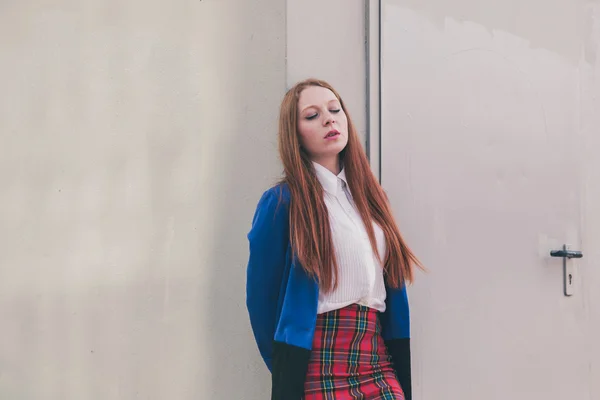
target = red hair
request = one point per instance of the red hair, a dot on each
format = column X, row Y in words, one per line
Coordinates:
column 310, row 232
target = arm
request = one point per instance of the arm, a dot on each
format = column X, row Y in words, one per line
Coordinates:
column 268, row 241
column 399, row 349
column 397, row 317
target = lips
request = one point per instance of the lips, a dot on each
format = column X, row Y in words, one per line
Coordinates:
column 332, row 134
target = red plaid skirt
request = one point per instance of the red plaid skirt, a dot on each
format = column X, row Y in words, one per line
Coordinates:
column 349, row 360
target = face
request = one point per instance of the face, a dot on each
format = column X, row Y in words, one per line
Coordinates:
column 322, row 124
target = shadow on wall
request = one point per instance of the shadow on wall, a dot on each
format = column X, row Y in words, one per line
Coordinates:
column 247, row 81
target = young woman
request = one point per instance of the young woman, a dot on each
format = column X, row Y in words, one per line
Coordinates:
column 326, row 276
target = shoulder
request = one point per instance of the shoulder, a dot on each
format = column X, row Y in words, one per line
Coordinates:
column 272, row 211
column 274, row 203
column 277, row 195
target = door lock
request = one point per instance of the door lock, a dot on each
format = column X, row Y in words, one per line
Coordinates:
column 567, row 254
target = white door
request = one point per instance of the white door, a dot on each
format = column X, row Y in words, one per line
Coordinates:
column 489, row 119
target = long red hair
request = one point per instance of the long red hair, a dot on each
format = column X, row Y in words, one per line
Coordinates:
column 310, row 232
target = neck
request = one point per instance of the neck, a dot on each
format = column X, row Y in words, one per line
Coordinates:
column 332, row 164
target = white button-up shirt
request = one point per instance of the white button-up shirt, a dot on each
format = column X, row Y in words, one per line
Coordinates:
column 360, row 274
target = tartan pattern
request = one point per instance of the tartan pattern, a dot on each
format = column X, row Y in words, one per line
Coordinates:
column 349, row 360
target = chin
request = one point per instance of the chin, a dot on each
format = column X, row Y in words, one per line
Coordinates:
column 338, row 149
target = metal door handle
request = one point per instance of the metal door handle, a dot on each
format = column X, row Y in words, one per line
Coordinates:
column 566, row 253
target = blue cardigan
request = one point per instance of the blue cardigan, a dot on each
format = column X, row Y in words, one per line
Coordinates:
column 282, row 299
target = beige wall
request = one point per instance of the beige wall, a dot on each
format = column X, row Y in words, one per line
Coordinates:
column 326, row 40
column 135, row 138
column 490, row 122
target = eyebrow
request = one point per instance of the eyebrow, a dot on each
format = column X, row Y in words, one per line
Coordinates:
column 312, row 105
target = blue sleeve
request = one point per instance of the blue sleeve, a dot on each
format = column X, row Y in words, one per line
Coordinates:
column 395, row 323
column 395, row 320
column 402, row 311
column 268, row 242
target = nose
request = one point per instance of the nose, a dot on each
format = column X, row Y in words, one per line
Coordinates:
column 329, row 119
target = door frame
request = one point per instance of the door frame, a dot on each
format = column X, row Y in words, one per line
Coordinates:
column 373, row 84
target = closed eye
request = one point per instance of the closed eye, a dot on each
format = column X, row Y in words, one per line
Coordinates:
column 311, row 117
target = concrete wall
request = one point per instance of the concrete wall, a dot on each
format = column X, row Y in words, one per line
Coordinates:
column 136, row 138
column 326, row 39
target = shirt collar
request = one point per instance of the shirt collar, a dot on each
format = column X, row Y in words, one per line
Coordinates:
column 330, row 182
